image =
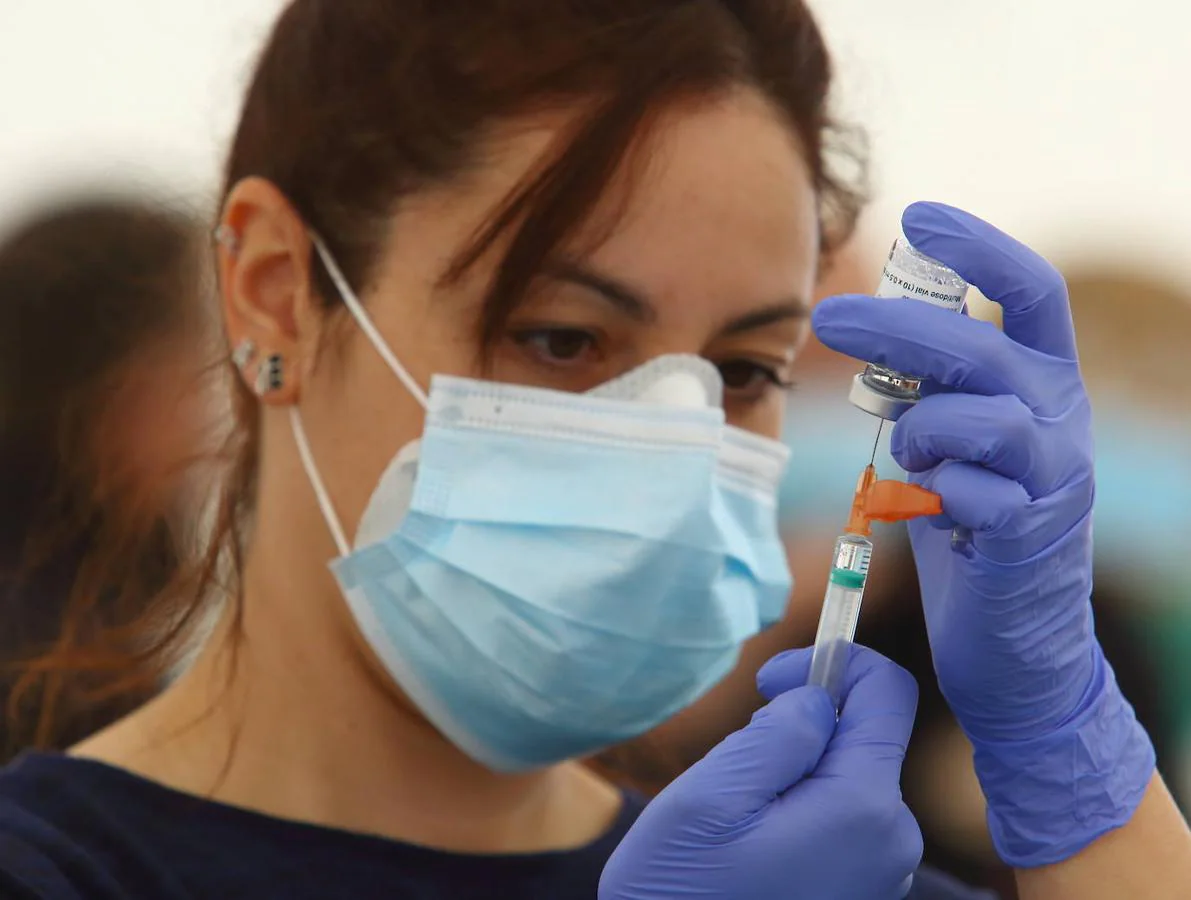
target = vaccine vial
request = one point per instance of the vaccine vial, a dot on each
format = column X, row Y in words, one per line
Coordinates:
column 883, row 392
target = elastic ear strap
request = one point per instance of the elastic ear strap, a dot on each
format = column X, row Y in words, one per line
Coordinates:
column 362, row 319
column 316, row 481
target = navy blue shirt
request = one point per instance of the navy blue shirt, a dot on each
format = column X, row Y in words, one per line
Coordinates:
column 72, row 829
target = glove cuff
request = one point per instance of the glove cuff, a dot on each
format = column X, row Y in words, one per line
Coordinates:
column 1050, row 798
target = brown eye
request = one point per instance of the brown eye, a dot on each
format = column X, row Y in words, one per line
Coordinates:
column 557, row 346
column 749, row 380
column 740, row 375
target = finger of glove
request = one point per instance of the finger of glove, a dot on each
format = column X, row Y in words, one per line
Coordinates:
column 752, row 767
column 896, row 852
column 999, row 433
column 919, row 339
column 875, row 722
column 941, row 522
column 929, row 388
column 851, row 827
column 785, row 672
column 790, row 669
column 1032, row 293
column 908, row 847
column 1007, row 525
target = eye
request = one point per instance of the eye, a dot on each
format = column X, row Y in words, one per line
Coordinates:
column 557, row 346
column 747, row 379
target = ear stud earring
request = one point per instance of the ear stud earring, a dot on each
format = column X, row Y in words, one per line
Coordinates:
column 269, row 377
column 244, row 353
column 228, row 238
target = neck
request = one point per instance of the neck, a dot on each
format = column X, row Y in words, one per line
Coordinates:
column 286, row 713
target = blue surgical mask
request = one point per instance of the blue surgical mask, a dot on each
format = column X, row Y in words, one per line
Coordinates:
column 545, row 573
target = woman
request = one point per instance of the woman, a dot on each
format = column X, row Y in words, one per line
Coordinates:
column 443, row 224
column 98, row 323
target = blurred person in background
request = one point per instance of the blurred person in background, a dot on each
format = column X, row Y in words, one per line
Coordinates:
column 101, row 351
column 444, row 227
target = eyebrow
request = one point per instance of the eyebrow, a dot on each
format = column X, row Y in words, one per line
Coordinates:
column 634, row 305
column 793, row 309
column 620, row 295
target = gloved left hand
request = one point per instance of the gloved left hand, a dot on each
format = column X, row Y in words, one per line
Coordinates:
column 792, row 806
column 1007, row 443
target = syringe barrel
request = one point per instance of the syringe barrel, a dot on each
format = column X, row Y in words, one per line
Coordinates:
column 908, row 273
column 840, row 614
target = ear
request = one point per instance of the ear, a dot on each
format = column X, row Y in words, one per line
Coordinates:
column 270, row 308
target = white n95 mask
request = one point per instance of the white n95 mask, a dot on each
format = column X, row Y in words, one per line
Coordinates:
column 545, row 573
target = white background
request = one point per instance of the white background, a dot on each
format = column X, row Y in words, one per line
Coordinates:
column 1065, row 121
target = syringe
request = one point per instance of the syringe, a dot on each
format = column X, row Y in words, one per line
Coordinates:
column 885, row 394
column 884, row 501
column 841, row 612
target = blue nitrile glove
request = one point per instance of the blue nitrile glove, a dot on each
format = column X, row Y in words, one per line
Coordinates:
column 791, row 806
column 1006, row 440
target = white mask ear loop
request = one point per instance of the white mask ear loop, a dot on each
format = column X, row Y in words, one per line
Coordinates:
column 362, row 319
column 361, row 316
column 316, row 481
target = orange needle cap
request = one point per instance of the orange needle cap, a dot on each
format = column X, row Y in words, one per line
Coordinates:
column 889, row 501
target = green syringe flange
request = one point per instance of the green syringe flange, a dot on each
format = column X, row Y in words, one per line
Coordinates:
column 847, row 578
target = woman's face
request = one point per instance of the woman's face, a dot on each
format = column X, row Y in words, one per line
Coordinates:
column 714, row 253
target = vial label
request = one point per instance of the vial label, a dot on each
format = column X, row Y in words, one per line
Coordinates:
column 896, row 282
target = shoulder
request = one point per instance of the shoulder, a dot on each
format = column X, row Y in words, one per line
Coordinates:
column 34, row 862
column 41, row 856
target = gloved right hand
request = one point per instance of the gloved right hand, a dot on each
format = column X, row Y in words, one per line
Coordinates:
column 1007, row 443
column 793, row 805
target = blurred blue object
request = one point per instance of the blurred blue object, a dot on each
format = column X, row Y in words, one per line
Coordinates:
column 1143, row 486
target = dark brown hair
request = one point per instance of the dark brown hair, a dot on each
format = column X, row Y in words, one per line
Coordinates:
column 86, row 290
column 356, row 104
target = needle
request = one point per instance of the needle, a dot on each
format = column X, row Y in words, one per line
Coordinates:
column 880, row 427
